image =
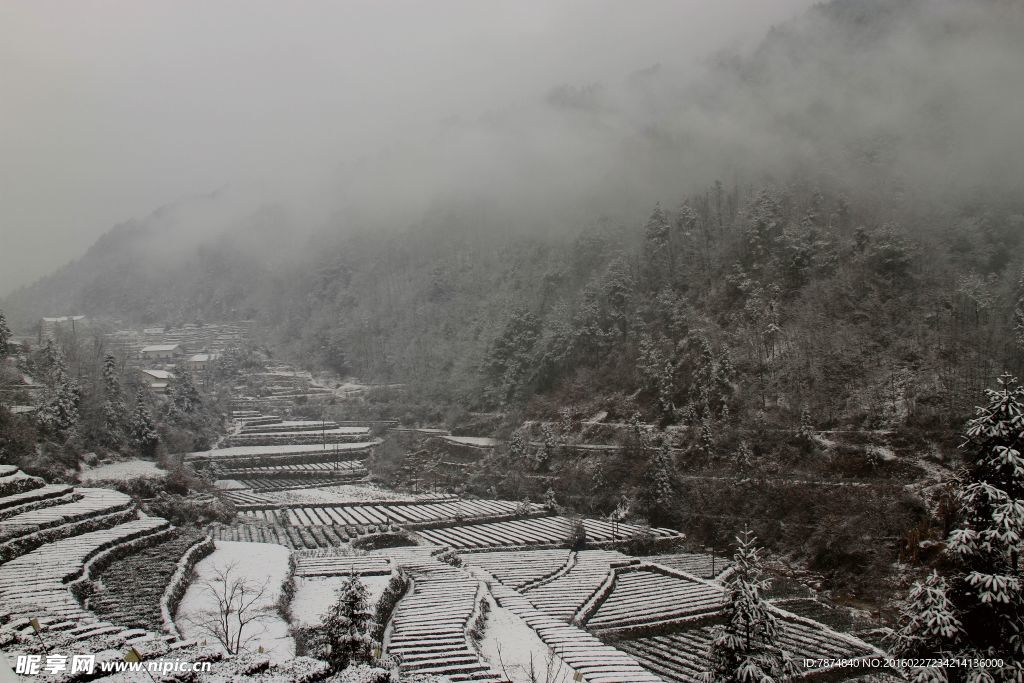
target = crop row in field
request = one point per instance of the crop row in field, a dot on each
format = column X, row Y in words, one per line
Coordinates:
column 544, row 531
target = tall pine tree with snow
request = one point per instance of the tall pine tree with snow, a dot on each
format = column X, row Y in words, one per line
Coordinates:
column 344, row 638
column 987, row 589
column 1018, row 314
column 142, row 430
column 659, row 494
column 115, row 413
column 185, row 397
column 5, row 336
column 805, row 430
column 745, row 648
column 978, row 612
column 657, row 249
column 929, row 627
column 743, row 457
column 57, row 412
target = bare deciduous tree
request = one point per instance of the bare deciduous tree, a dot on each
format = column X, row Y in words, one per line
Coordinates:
column 240, row 606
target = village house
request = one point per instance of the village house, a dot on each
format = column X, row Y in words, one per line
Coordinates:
column 157, row 380
column 201, row 361
column 162, row 352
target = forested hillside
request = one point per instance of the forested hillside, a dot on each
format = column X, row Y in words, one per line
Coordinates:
column 859, row 271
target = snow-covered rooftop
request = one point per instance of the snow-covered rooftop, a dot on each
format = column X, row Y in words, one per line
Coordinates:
column 154, row 348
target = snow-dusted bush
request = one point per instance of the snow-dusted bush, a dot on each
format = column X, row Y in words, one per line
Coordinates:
column 393, row 592
column 449, row 557
column 175, row 590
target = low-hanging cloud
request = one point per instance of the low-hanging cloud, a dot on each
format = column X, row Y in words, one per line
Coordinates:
column 364, row 115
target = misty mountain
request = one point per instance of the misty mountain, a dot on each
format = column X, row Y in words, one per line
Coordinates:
column 527, row 253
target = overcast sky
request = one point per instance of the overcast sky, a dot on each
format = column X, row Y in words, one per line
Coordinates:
column 111, row 109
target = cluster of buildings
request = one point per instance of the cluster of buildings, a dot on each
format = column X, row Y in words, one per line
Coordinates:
column 157, row 351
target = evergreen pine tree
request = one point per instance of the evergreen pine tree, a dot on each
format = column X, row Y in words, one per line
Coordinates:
column 185, row 397
column 707, row 437
column 345, row 638
column 57, row 412
column 142, row 430
column 657, row 248
column 546, row 451
column 987, row 590
column 928, row 626
column 659, row 494
column 1018, row 314
column 5, row 336
column 805, row 431
column 744, row 457
column 518, row 446
column 114, row 410
column 745, row 648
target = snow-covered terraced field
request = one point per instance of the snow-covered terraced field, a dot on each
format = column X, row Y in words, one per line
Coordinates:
column 128, row 469
column 329, row 436
column 50, row 494
column 286, row 483
column 13, row 481
column 295, row 537
column 596, row 662
column 338, row 494
column 569, row 590
column 386, row 513
column 280, row 453
column 290, row 469
column 681, row 657
column 243, row 496
column 35, row 584
column 331, row 564
column 428, row 627
column 699, row 564
column 90, row 503
column 544, row 531
column 645, row 597
column 288, row 426
column 519, row 568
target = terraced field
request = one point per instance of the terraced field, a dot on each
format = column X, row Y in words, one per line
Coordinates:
column 428, row 628
column 329, row 436
column 285, row 426
column 332, row 564
column 35, row 584
column 295, row 537
column 703, row 565
column 545, row 531
column 647, row 597
column 406, row 514
column 565, row 593
column 329, row 468
column 128, row 592
column 274, row 454
column 594, row 661
column 681, row 657
column 305, row 482
column 517, row 569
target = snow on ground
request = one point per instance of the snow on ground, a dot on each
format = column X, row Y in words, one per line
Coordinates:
column 260, row 563
column 315, row 595
column 512, row 647
column 343, row 493
column 482, row 441
column 230, row 485
column 128, row 469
